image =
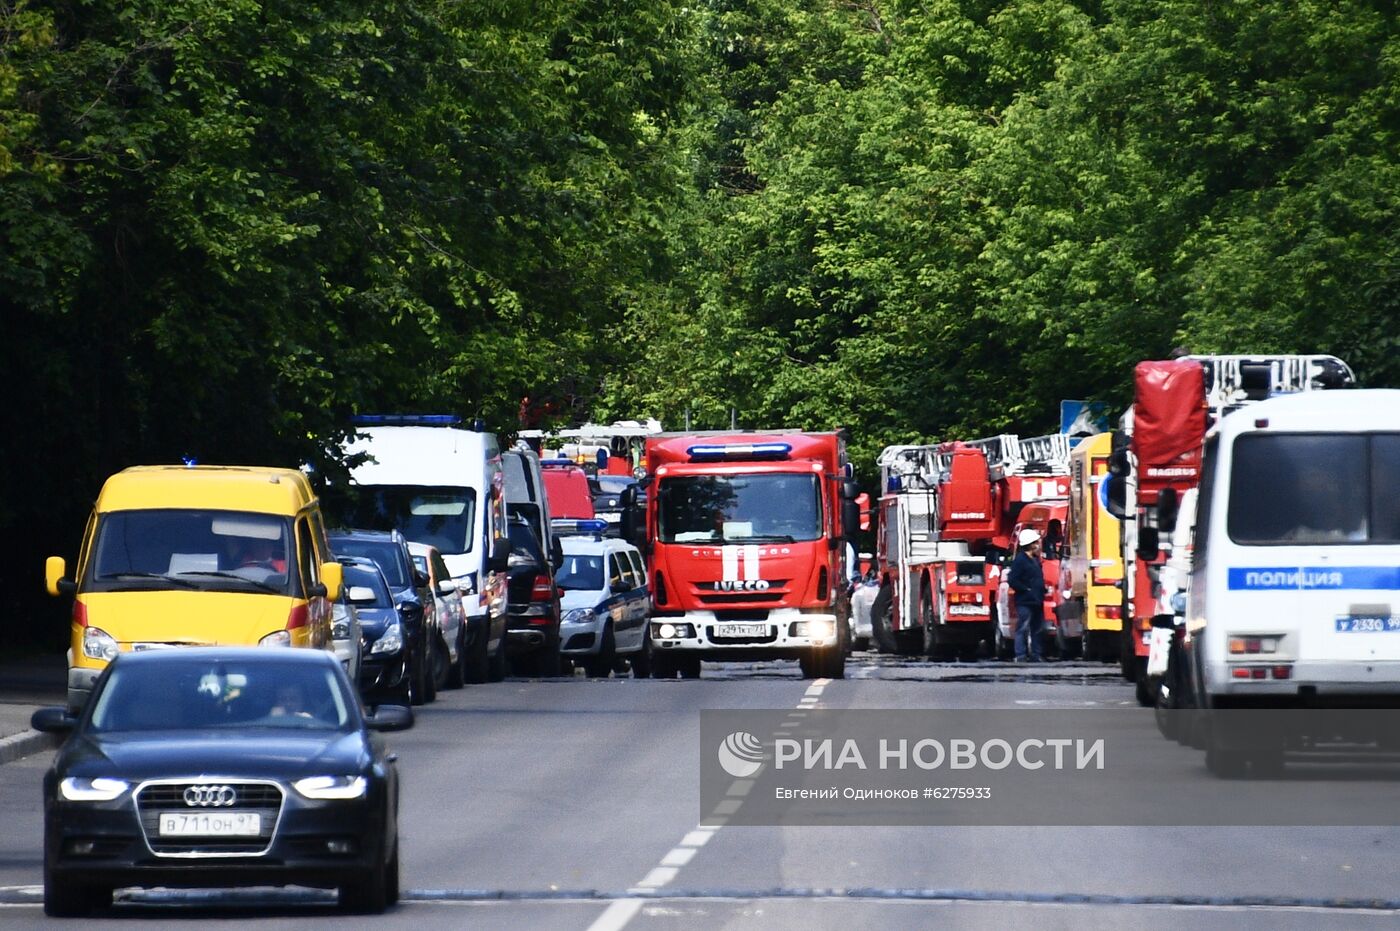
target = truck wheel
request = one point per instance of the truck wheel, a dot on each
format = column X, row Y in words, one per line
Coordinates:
column 663, row 666
column 476, row 660
column 641, row 661
column 690, row 667
column 880, row 617
column 1003, row 646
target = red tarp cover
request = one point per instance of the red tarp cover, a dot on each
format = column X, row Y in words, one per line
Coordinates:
column 1169, row 421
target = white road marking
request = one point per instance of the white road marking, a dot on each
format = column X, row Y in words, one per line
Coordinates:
column 740, row 787
column 678, row 857
column 658, row 877
column 617, row 915
column 698, row 838
column 728, row 806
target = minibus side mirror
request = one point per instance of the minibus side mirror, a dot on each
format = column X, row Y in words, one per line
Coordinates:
column 55, row 568
column 332, row 574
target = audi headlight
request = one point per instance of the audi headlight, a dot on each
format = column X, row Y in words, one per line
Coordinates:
column 278, row 638
column 579, row 616
column 101, row 789
column 391, row 641
column 98, row 644
column 332, row 787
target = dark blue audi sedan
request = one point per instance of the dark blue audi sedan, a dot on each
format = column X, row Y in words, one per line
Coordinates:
column 221, row 767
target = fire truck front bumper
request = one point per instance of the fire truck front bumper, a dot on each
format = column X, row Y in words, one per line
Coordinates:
column 784, row 633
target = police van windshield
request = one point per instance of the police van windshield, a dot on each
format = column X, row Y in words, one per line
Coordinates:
column 438, row 516
column 192, row 549
column 1315, row 489
column 771, row 508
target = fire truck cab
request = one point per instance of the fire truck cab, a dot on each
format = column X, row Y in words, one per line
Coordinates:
column 745, row 536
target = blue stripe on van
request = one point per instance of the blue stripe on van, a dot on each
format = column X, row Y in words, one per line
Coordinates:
column 1313, row 578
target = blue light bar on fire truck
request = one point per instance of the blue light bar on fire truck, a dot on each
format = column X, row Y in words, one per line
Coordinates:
column 719, row 452
column 405, row 420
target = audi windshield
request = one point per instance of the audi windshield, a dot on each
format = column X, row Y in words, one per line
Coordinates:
column 767, row 508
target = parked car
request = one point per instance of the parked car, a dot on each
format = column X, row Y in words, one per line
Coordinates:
column 346, row 633
column 415, row 604
column 305, row 794
column 863, row 594
column 385, row 674
column 450, row 653
column 606, row 606
column 532, row 626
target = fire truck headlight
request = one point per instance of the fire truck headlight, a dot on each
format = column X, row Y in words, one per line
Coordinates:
column 666, row 631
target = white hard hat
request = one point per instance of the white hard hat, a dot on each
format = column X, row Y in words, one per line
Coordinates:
column 1027, row 537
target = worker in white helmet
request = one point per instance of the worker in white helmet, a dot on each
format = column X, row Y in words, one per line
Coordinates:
column 1027, row 584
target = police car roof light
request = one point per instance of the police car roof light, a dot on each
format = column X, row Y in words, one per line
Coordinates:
column 747, row 451
column 406, row 420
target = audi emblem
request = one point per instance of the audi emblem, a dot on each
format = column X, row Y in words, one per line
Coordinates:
column 210, row 796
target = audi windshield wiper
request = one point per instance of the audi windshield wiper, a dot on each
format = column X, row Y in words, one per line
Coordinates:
column 242, row 578
column 183, row 583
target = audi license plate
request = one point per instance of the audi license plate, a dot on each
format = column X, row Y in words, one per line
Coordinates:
column 741, row 630
column 210, row 824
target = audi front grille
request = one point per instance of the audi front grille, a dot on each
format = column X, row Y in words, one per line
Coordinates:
column 187, row 796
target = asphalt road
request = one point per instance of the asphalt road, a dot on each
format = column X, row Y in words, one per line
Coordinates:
column 574, row 804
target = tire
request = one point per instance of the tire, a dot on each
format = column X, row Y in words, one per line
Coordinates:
column 496, row 669
column 1146, row 691
column 68, row 898
column 690, row 667
column 457, row 672
column 370, row 895
column 391, row 885
column 641, row 661
column 601, row 666
column 663, row 666
column 546, row 662
column 476, row 660
column 807, row 662
column 860, row 643
column 1003, row 647
column 418, row 681
column 880, row 617
column 441, row 665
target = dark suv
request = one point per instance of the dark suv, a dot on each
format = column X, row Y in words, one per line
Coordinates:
column 532, row 624
column 412, row 598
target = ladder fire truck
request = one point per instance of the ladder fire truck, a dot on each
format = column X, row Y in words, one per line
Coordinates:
column 947, row 519
column 1157, row 457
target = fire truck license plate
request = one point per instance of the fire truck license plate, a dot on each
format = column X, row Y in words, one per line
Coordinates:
column 741, row 630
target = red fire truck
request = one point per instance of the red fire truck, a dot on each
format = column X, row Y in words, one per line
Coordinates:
column 746, row 539
column 947, row 520
column 1157, row 457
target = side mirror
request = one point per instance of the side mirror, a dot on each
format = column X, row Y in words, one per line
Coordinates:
column 633, row 517
column 556, row 553
column 447, row 586
column 360, row 595
column 1168, row 507
column 850, row 519
column 53, row 721
column 55, row 568
column 420, row 578
column 849, row 490
column 390, row 718
column 1149, row 544
column 332, row 574
column 500, row 556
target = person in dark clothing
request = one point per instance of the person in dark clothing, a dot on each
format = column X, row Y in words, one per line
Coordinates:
column 1027, row 583
column 1054, row 543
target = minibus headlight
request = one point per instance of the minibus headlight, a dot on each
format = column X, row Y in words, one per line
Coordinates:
column 98, row 644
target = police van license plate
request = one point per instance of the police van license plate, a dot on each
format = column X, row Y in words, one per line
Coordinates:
column 1367, row 624
column 210, row 824
column 732, row 629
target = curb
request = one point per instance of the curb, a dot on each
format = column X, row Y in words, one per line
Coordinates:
column 23, row 744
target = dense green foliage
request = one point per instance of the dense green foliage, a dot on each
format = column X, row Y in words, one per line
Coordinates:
column 226, row 226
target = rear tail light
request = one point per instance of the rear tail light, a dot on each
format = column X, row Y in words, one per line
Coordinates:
column 1109, row 612
column 543, row 589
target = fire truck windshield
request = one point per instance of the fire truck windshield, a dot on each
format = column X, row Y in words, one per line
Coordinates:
column 768, row 508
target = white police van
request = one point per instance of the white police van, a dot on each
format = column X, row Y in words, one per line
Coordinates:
column 1294, row 594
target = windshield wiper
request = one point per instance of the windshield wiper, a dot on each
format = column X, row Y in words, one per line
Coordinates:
column 233, row 575
column 764, row 538
column 183, row 583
